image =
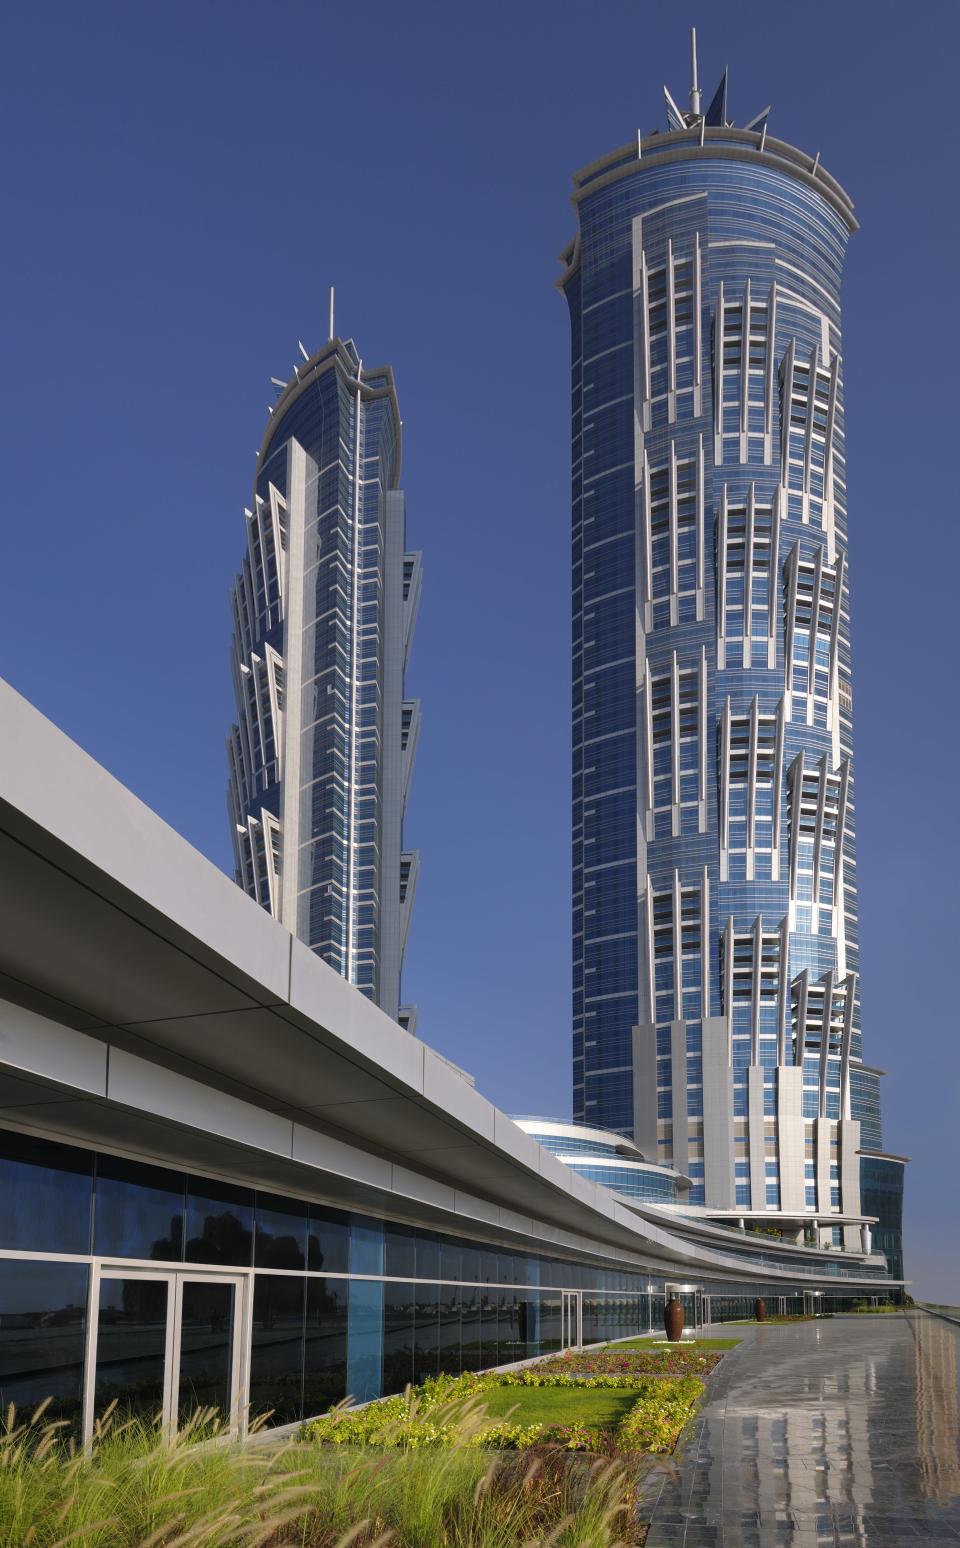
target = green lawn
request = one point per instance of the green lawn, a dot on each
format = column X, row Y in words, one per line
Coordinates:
column 558, row 1405
column 687, row 1343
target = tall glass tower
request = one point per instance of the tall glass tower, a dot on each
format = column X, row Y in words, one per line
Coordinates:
column 323, row 611
column 716, row 1005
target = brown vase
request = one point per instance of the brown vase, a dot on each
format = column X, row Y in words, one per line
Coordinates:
column 673, row 1319
column 760, row 1309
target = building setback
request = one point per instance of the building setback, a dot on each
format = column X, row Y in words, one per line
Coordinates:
column 716, row 955
column 323, row 614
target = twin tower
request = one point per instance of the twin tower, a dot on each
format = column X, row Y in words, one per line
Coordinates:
column 716, row 1014
column 323, row 616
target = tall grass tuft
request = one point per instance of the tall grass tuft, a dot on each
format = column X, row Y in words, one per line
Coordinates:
column 139, row 1489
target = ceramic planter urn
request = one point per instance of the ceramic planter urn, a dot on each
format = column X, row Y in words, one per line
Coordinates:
column 673, row 1319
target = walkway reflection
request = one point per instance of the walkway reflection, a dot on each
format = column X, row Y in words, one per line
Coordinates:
column 841, row 1432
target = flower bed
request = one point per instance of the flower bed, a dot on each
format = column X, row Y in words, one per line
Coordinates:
column 449, row 1410
column 657, row 1360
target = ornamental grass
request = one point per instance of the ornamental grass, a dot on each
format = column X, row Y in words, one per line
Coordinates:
column 139, row 1490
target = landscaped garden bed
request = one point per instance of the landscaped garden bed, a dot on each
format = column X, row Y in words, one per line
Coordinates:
column 550, row 1453
column 611, row 1400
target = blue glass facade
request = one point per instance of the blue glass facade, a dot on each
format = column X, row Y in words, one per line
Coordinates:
column 716, row 1014
column 321, row 753
column 602, row 1158
column 339, row 1302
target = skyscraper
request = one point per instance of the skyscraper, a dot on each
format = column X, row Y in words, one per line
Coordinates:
column 716, row 1002
column 324, row 609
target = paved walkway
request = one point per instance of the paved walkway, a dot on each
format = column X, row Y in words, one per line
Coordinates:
column 844, row 1432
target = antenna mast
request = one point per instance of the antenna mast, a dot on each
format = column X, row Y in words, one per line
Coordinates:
column 331, row 314
column 694, row 84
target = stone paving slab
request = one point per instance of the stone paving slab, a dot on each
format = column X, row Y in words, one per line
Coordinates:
column 844, row 1431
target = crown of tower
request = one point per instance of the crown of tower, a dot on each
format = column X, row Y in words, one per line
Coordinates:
column 715, row 115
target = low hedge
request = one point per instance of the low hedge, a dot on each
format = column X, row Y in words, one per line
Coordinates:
column 448, row 1410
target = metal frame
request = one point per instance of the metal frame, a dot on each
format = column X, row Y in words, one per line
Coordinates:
column 175, row 1277
column 571, row 1319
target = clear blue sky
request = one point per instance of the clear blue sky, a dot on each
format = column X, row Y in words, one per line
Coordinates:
column 183, row 182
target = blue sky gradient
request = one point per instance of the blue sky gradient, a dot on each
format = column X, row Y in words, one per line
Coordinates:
column 183, row 182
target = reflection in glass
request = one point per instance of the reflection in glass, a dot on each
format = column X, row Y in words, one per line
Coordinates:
column 399, row 1251
column 397, row 1335
column 131, row 1346
column 426, row 1331
column 276, row 1356
column 45, row 1194
column 365, row 1345
column 328, row 1245
column 219, row 1223
column 206, row 1348
column 550, row 1325
column 325, row 1345
column 471, row 1350
column 449, row 1329
column 281, row 1233
column 366, row 1245
column 42, row 1319
column 428, row 1255
column 138, row 1210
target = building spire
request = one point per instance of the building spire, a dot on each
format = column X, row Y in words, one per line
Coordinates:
column 694, row 83
column 331, row 314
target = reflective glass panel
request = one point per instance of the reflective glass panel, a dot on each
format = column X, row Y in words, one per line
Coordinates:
column 398, row 1304
column 219, row 1223
column 131, row 1346
column 365, row 1342
column 276, row 1356
column 325, row 1345
column 281, row 1233
column 449, row 1329
column 328, row 1244
column 206, row 1348
column 42, row 1319
column 45, row 1195
column 138, row 1210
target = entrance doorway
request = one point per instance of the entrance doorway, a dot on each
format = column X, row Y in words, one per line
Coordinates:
column 570, row 1319
column 692, row 1300
column 165, row 1344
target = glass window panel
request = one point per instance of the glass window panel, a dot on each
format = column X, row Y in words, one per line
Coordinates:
column 276, row 1355
column 398, row 1309
column 428, row 1255
column 399, row 1243
column 426, row 1331
column 512, row 1346
column 450, row 1258
column 138, row 1210
column 131, row 1345
column 45, row 1194
column 208, row 1310
column 325, row 1345
column 449, row 1329
column 470, row 1263
column 219, row 1223
column 470, row 1332
column 328, row 1243
column 365, row 1340
column 42, row 1320
column 489, row 1326
column 366, row 1245
column 281, row 1232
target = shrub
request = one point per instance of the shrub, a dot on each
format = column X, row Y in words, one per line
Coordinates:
column 448, row 1411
